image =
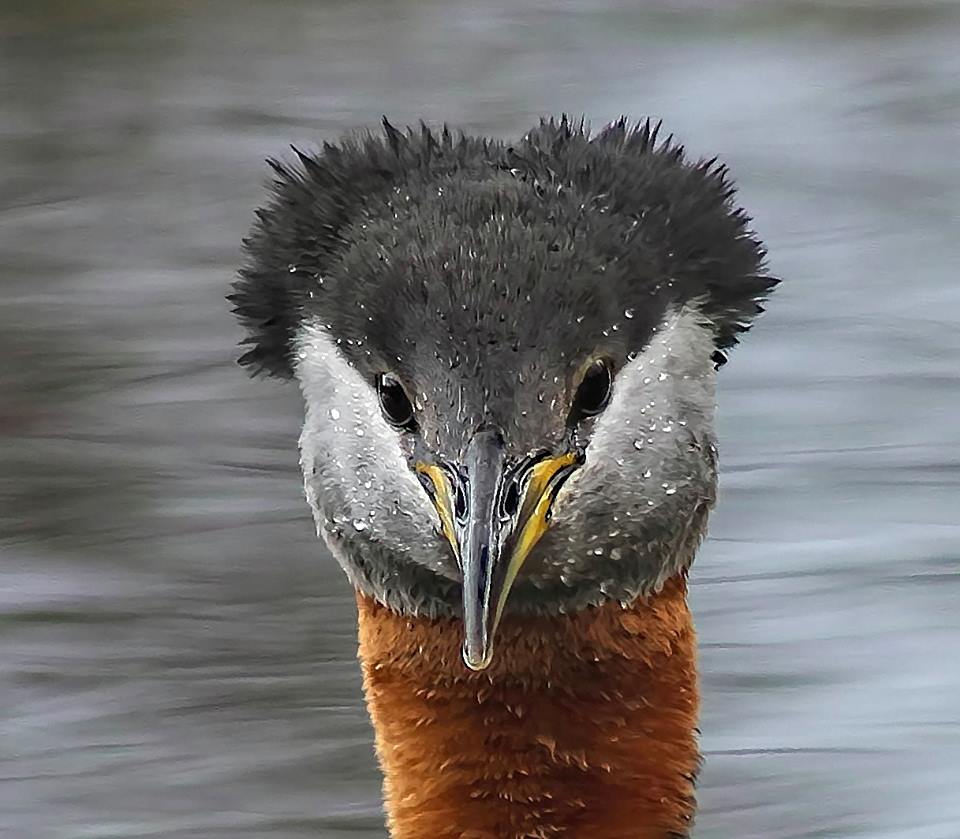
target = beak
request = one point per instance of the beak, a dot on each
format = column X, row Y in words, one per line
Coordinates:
column 493, row 514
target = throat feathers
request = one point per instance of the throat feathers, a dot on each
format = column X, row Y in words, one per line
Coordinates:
column 583, row 726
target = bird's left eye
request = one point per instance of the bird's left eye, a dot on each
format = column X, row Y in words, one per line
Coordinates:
column 594, row 391
column 394, row 402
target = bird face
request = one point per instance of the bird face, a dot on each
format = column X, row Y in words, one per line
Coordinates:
column 581, row 496
column 508, row 362
column 506, row 381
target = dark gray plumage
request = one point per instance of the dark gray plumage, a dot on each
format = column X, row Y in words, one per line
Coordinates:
column 485, row 276
column 654, row 226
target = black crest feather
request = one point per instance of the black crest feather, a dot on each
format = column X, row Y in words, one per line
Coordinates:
column 675, row 221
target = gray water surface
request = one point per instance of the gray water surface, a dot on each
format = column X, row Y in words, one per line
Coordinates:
column 177, row 650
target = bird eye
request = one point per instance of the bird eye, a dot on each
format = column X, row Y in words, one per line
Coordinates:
column 594, row 391
column 394, row 402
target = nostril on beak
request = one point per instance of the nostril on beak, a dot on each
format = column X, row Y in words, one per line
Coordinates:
column 510, row 503
column 513, row 488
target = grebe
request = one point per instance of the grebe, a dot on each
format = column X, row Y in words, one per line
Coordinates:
column 508, row 358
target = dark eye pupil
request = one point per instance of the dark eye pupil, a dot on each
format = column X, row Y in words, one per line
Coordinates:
column 594, row 391
column 394, row 403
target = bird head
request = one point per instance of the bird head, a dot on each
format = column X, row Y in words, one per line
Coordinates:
column 508, row 358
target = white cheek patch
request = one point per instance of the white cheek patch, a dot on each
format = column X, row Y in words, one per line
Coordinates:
column 662, row 395
column 355, row 473
column 673, row 375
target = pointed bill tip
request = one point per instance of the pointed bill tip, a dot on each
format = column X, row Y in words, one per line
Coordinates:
column 477, row 656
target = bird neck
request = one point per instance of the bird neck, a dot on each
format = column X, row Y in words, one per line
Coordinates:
column 584, row 724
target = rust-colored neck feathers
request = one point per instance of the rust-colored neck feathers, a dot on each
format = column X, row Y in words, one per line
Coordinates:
column 584, row 725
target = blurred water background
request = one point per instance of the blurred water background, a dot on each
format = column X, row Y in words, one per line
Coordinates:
column 177, row 650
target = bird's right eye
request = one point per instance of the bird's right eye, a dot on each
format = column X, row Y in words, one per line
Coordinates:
column 394, row 402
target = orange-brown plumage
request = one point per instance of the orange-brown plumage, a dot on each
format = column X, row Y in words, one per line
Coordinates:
column 583, row 726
